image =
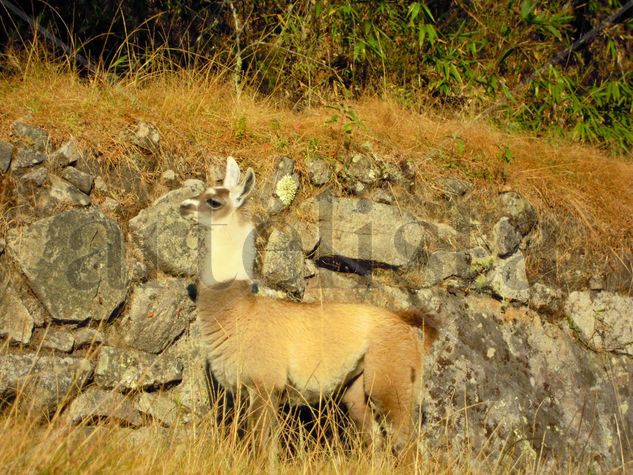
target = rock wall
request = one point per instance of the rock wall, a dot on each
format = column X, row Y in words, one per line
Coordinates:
column 97, row 318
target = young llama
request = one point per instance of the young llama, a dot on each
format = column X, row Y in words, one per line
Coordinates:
column 281, row 351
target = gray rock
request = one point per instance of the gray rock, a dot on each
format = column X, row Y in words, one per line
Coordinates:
column 58, row 340
column 32, row 135
column 41, row 382
column 110, row 205
column 138, row 272
column 596, row 281
column 160, row 408
column 603, row 321
column 442, row 265
column 193, row 392
column 74, row 262
column 146, row 136
column 506, row 237
column 62, row 192
column 36, row 177
column 159, row 313
column 87, row 337
column 392, row 173
column 523, row 389
column 83, row 181
column 309, row 269
column 98, row 405
column 454, row 187
column 329, row 286
column 25, row 158
column 168, row 241
column 67, row 154
column 307, row 233
column 545, row 300
column 521, row 213
column 508, row 279
column 6, row 153
column 358, row 188
column 100, row 185
column 319, row 171
column 131, row 369
column 16, row 323
column 169, row 178
column 381, row 196
column 361, row 168
column 361, row 230
column 282, row 262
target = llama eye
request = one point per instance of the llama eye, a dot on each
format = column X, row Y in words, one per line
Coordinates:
column 214, row 204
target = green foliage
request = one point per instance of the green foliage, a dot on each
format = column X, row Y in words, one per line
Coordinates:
column 500, row 57
column 347, row 117
column 506, row 154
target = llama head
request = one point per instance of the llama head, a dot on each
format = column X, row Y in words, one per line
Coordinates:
column 216, row 204
column 230, row 242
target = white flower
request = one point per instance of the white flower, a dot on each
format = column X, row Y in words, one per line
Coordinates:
column 286, row 189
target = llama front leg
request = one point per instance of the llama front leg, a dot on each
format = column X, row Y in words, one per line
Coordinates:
column 361, row 413
column 262, row 420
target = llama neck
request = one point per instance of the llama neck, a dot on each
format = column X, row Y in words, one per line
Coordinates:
column 216, row 304
column 229, row 252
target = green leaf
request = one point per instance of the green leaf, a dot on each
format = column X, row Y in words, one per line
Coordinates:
column 554, row 31
column 506, row 154
column 414, row 11
column 527, row 9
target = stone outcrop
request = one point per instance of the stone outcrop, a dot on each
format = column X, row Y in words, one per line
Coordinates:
column 508, row 279
column 521, row 213
column 58, row 340
column 6, row 154
column 25, row 158
column 603, row 320
column 74, row 262
column 282, row 261
column 31, row 135
column 100, row 405
column 131, row 369
column 16, row 323
column 367, row 232
column 42, row 383
column 319, row 171
column 62, row 192
column 168, row 241
column 160, row 311
column 528, row 383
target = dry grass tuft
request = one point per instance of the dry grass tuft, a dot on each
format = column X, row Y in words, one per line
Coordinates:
column 208, row 446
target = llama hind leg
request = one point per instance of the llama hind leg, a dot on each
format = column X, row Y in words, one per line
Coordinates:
column 361, row 413
column 393, row 384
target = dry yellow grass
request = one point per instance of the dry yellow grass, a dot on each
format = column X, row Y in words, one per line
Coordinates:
column 30, row 446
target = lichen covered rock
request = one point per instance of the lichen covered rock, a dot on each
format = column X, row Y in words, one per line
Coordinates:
column 74, row 262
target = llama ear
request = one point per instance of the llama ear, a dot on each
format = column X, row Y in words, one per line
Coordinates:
column 245, row 188
column 232, row 177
